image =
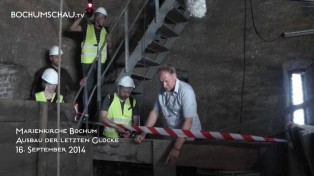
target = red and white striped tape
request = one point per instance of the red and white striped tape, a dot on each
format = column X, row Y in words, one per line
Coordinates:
column 188, row 133
column 195, row 134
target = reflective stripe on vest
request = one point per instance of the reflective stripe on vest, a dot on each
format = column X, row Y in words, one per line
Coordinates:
column 40, row 96
column 90, row 45
column 115, row 115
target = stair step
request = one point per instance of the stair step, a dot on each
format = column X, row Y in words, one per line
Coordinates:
column 156, row 47
column 147, row 62
column 166, row 32
column 176, row 17
column 110, row 81
column 210, row 172
column 144, row 62
column 134, row 92
column 120, row 65
column 139, row 77
column 182, row 3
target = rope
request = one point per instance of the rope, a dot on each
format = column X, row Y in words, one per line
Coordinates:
column 59, row 78
column 244, row 65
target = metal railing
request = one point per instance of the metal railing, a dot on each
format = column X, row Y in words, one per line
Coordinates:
column 98, row 58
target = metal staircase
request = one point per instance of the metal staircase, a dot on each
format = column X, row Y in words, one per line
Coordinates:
column 151, row 52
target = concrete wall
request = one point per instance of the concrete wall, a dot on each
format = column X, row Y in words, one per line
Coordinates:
column 210, row 49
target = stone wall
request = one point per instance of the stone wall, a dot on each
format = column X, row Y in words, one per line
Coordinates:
column 7, row 80
column 12, row 80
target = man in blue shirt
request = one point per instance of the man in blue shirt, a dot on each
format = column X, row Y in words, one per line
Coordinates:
column 176, row 100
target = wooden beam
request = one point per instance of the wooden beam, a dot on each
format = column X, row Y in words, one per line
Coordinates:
column 43, row 124
column 209, row 154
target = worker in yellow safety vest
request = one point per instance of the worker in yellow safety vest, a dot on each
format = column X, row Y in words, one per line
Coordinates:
column 120, row 108
column 50, row 83
column 95, row 35
column 67, row 85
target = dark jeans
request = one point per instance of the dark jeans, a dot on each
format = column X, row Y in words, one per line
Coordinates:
column 91, row 82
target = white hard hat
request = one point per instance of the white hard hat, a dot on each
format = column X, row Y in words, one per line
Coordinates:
column 101, row 10
column 54, row 51
column 50, row 76
column 126, row 81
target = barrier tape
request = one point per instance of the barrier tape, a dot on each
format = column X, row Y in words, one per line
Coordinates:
column 188, row 133
column 194, row 133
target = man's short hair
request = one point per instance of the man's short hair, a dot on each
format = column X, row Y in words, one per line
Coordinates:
column 129, row 89
column 168, row 68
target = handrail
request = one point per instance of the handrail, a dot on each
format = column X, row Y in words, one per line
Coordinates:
column 89, row 71
column 121, row 43
column 111, row 60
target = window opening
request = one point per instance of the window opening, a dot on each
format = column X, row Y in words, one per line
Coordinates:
column 297, row 94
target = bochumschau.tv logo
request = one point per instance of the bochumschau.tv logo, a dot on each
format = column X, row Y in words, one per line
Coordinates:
column 48, row 14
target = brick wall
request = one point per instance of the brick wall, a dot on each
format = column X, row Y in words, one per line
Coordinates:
column 13, row 82
column 7, row 80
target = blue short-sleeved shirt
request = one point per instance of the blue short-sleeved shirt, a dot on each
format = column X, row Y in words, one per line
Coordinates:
column 178, row 105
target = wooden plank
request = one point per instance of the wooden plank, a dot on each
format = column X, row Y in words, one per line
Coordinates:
column 43, row 124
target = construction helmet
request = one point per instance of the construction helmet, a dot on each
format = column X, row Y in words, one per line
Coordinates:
column 101, row 10
column 54, row 51
column 50, row 76
column 126, row 81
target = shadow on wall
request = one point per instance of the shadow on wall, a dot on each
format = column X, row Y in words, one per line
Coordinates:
column 75, row 55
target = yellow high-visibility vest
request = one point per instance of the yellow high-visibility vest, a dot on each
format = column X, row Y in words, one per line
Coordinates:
column 90, row 45
column 40, row 96
column 115, row 114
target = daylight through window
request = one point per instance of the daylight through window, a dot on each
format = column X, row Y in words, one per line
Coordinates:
column 297, row 97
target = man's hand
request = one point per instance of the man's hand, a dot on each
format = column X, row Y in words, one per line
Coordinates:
column 118, row 129
column 109, row 41
column 126, row 134
column 139, row 138
column 83, row 81
column 172, row 156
